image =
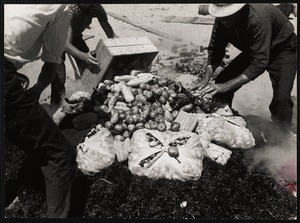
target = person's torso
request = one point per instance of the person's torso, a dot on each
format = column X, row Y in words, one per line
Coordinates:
column 23, row 27
column 280, row 27
column 80, row 20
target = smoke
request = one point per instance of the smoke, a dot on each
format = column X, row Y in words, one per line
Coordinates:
column 279, row 160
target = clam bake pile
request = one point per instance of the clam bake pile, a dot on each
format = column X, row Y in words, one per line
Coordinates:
column 149, row 149
column 162, row 129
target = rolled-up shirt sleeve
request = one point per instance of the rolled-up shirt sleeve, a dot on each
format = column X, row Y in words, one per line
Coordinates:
column 260, row 45
column 217, row 45
column 54, row 37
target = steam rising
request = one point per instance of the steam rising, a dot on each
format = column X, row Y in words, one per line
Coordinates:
column 279, row 160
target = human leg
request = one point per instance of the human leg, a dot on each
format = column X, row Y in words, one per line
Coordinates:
column 29, row 127
column 282, row 70
column 58, row 90
column 235, row 68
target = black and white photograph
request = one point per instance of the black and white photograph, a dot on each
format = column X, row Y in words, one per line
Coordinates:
column 183, row 111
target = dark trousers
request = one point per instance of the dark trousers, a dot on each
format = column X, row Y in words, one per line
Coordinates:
column 30, row 128
column 282, row 69
column 58, row 90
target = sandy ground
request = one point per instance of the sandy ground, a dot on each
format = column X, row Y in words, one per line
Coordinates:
column 252, row 98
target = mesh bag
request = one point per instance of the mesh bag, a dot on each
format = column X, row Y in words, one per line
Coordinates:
column 96, row 152
column 171, row 155
column 226, row 131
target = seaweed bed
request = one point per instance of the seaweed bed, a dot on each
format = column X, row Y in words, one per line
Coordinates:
column 223, row 192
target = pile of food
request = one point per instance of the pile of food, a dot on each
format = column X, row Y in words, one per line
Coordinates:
column 142, row 101
column 151, row 104
column 146, row 122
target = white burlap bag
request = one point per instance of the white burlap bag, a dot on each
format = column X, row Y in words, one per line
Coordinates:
column 96, row 152
column 229, row 131
column 171, row 155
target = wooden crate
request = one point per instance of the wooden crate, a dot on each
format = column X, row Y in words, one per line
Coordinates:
column 113, row 52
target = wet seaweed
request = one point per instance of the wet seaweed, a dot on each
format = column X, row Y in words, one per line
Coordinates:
column 223, row 192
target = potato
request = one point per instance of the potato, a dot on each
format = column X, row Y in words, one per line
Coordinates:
column 124, row 125
column 122, row 115
column 148, row 94
column 129, row 119
column 131, row 127
column 175, row 126
column 108, row 125
column 143, row 98
column 162, row 100
column 156, row 104
column 153, row 114
column 119, row 128
column 162, row 127
column 135, row 110
column 139, row 104
column 135, row 118
column 157, row 92
column 159, row 119
column 129, row 112
column 147, row 125
column 139, row 126
column 165, row 93
column 153, row 125
column 141, row 119
column 140, row 91
column 143, row 86
column 148, row 87
column 160, row 111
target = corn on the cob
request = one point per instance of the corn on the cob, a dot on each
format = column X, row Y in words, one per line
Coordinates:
column 125, row 78
column 136, row 82
column 127, row 93
column 122, row 104
column 124, row 108
column 146, row 75
column 112, row 101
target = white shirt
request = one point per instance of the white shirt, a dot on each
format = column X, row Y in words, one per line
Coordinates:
column 28, row 28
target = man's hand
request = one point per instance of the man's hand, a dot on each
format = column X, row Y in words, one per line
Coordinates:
column 88, row 58
column 213, row 89
column 204, row 81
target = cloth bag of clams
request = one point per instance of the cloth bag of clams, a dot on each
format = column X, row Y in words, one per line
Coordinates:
column 171, row 155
